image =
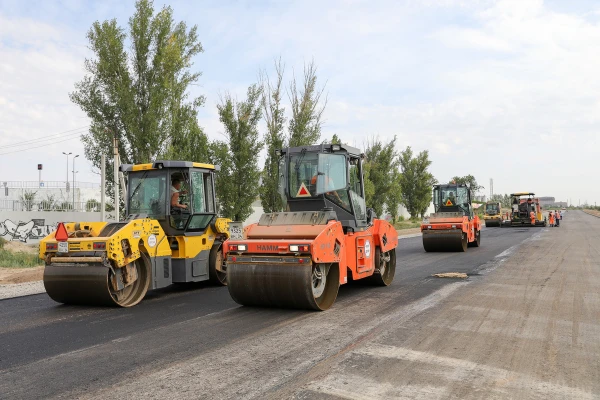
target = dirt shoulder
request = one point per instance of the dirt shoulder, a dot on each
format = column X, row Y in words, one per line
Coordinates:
column 16, row 247
column 593, row 212
column 20, row 275
column 408, row 231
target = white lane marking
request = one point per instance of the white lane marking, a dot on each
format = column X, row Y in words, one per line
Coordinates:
column 508, row 251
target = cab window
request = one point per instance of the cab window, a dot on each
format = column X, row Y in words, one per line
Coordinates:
column 148, row 193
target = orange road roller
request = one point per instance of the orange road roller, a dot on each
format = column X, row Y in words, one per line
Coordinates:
column 300, row 257
column 452, row 227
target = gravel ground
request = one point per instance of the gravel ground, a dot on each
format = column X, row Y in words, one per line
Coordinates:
column 21, row 289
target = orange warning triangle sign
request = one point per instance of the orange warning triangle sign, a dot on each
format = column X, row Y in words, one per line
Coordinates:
column 303, row 191
column 448, row 203
column 61, row 232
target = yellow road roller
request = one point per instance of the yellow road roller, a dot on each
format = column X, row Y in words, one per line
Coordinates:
column 171, row 235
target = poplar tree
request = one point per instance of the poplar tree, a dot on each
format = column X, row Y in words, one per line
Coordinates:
column 237, row 182
column 136, row 89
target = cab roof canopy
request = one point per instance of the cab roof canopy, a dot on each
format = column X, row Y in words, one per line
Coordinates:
column 159, row 164
column 523, row 194
column 323, row 148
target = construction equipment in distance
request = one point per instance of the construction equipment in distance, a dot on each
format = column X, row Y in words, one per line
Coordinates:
column 492, row 214
column 453, row 226
column 299, row 258
column 114, row 264
column 522, row 205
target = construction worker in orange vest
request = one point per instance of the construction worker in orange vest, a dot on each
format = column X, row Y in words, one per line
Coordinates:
column 551, row 218
column 532, row 217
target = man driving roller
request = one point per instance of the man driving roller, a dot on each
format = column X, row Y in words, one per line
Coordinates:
column 175, row 192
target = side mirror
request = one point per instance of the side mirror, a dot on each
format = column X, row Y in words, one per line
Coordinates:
column 370, row 216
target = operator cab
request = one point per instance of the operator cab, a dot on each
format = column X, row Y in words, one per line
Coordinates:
column 452, row 198
column 492, row 209
column 526, row 204
column 150, row 193
column 326, row 177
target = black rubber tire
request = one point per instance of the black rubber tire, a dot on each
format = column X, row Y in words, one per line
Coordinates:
column 464, row 242
column 387, row 277
column 477, row 241
column 216, row 256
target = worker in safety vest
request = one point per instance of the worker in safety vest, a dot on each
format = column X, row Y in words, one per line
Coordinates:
column 551, row 218
column 532, row 217
column 557, row 217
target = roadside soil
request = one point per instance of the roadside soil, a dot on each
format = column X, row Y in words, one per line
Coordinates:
column 20, row 275
column 16, row 247
column 593, row 212
column 409, row 231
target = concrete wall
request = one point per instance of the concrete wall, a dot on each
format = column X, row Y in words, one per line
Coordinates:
column 30, row 227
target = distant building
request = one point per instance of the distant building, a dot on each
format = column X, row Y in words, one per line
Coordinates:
column 550, row 202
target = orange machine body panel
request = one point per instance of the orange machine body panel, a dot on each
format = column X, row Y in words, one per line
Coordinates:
column 354, row 251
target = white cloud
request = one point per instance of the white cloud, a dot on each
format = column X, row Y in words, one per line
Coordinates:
column 502, row 89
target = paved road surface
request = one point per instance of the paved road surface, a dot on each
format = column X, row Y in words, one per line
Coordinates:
column 193, row 341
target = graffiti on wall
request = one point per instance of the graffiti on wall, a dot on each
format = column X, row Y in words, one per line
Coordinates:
column 34, row 229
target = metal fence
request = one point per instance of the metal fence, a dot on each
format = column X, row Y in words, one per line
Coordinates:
column 42, row 205
column 47, row 184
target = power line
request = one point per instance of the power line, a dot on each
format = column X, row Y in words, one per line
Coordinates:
column 49, row 137
column 35, row 147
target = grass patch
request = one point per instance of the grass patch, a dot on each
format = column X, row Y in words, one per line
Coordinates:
column 9, row 259
column 409, row 224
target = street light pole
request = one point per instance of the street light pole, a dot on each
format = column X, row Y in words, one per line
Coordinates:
column 74, row 157
column 67, row 154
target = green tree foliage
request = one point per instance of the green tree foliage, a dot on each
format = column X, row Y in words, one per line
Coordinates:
column 273, row 113
column 416, row 182
column 394, row 199
column 136, row 89
column 335, row 139
column 382, row 160
column 471, row 183
column 306, row 121
column 369, row 187
column 237, row 182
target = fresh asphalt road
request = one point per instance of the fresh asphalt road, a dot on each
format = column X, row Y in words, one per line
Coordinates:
column 53, row 350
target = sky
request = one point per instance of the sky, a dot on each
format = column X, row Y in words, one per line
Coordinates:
column 502, row 90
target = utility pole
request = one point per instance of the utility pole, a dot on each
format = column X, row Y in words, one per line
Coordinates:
column 102, row 187
column 116, row 176
column 67, row 154
column 74, row 157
